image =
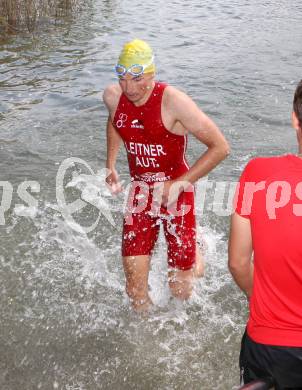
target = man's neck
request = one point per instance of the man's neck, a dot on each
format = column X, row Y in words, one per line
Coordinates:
column 145, row 98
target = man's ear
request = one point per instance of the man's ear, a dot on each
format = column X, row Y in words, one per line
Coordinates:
column 295, row 122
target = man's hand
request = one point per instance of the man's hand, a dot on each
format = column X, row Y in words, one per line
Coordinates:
column 113, row 182
column 167, row 193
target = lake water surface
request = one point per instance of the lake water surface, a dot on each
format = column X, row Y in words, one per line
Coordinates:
column 65, row 321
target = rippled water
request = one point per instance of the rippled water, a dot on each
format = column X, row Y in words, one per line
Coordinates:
column 64, row 316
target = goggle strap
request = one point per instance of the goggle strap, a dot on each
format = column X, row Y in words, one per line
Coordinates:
column 129, row 70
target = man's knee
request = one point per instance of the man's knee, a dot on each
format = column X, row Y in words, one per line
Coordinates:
column 181, row 290
column 134, row 290
column 137, row 291
column 136, row 272
column 139, row 297
column 181, row 284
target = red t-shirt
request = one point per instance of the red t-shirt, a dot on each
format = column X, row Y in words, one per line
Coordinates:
column 154, row 153
column 275, row 213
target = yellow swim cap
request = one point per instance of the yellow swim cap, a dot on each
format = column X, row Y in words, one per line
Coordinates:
column 137, row 52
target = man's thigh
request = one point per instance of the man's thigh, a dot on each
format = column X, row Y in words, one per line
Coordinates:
column 139, row 237
column 180, row 233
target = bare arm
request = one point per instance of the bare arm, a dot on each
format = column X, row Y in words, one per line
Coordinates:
column 111, row 97
column 241, row 265
column 113, row 144
column 182, row 109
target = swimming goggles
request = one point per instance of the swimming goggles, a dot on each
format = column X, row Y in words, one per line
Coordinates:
column 134, row 70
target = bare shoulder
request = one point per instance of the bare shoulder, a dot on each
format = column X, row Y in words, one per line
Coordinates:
column 175, row 99
column 111, row 96
column 173, row 96
column 171, row 92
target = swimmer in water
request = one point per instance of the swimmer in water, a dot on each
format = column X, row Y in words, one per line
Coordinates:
column 153, row 120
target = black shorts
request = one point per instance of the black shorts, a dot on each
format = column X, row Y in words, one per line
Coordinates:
column 260, row 361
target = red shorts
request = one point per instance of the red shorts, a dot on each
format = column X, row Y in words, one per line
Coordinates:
column 141, row 229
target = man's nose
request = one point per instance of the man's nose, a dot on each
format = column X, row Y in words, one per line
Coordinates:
column 129, row 86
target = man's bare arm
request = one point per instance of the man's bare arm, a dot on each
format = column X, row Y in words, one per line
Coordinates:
column 113, row 144
column 111, row 97
column 204, row 129
column 240, row 264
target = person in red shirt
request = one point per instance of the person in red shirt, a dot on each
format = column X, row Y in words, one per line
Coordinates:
column 153, row 120
column 265, row 259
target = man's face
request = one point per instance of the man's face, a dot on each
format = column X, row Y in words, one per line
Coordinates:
column 136, row 88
